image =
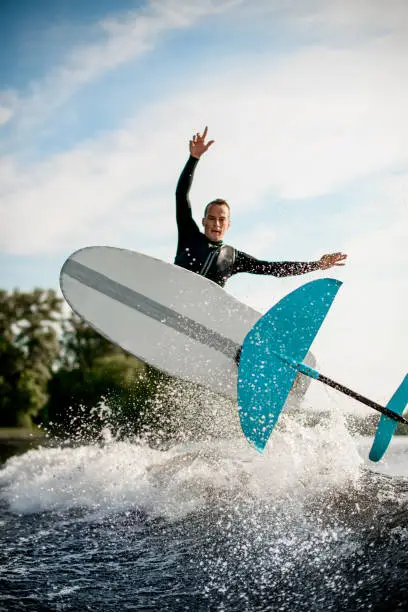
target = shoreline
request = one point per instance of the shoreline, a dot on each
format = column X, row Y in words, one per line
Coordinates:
column 21, row 434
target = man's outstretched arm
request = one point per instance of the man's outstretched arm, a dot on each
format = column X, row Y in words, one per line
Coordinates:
column 246, row 263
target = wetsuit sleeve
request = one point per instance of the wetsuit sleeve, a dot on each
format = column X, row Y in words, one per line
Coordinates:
column 246, row 263
column 184, row 215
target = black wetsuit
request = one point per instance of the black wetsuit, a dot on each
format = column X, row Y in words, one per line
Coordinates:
column 215, row 260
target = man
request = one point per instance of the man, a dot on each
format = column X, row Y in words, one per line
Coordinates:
column 205, row 253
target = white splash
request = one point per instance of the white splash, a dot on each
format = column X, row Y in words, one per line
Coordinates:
column 116, row 475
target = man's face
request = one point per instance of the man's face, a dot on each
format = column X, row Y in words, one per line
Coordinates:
column 216, row 222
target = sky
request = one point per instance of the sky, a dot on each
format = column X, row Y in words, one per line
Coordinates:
column 306, row 101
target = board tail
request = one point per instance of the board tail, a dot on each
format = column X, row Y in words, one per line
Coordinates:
column 387, row 426
column 283, row 335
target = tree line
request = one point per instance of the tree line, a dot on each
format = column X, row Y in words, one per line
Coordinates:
column 55, row 370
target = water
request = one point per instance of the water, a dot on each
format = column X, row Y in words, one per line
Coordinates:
column 203, row 522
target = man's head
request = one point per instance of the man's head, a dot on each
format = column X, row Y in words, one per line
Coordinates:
column 216, row 219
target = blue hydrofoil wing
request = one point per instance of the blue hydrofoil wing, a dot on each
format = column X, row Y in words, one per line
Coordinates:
column 387, row 426
column 271, row 354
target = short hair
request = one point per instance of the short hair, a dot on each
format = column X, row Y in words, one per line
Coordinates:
column 218, row 201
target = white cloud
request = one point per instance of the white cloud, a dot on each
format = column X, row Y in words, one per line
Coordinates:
column 349, row 17
column 122, row 40
column 297, row 127
column 7, row 105
column 335, row 21
column 319, row 118
column 5, row 115
column 132, row 36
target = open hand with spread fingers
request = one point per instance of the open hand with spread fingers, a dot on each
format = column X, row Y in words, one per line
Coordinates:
column 198, row 146
column 333, row 259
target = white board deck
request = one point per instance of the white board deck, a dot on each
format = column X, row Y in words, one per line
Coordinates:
column 179, row 322
column 175, row 320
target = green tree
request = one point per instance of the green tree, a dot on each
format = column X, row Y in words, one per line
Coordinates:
column 57, row 370
column 96, row 383
column 29, row 346
column 114, row 390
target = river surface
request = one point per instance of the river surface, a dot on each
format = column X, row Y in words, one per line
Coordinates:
column 207, row 523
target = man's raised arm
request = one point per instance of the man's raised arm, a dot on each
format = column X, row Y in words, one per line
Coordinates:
column 184, row 215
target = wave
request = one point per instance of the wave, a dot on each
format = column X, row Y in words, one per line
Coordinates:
column 196, row 458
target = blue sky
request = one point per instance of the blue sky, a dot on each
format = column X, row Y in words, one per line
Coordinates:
column 306, row 102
